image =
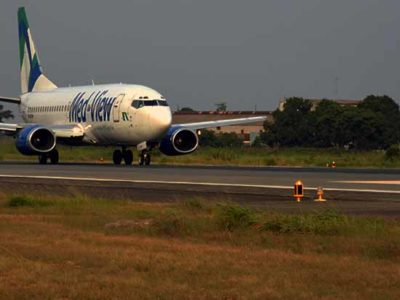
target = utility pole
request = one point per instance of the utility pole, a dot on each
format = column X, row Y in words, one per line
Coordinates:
column 336, row 87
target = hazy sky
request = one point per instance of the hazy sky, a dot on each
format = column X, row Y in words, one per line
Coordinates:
column 199, row 52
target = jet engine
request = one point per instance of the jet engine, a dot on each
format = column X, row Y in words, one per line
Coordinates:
column 179, row 141
column 35, row 139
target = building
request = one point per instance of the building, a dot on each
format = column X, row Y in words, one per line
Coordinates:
column 315, row 102
column 248, row 131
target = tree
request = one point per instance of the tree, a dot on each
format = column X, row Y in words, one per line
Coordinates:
column 373, row 124
column 207, row 138
column 359, row 128
column 387, row 119
column 230, row 139
column 327, row 129
column 294, row 126
column 221, row 107
column 5, row 114
column 186, row 109
column 220, row 140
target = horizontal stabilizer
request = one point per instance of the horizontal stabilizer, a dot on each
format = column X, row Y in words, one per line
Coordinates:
column 10, row 100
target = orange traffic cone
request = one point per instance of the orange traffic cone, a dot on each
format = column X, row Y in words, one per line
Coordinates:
column 320, row 195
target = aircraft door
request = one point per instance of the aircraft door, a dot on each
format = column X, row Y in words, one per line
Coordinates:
column 116, row 108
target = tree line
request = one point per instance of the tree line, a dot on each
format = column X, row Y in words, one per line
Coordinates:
column 373, row 124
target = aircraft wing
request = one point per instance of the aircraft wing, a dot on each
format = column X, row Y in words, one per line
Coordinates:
column 9, row 127
column 10, row 100
column 220, row 123
column 61, row 131
column 68, row 131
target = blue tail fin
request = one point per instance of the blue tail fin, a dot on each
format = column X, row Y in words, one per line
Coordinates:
column 32, row 78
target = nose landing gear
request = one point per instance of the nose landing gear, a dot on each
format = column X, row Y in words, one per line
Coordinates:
column 144, row 158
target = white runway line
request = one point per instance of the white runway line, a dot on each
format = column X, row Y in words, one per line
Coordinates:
column 384, row 182
column 193, row 183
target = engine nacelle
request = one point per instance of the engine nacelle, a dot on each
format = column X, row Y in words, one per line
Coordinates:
column 179, row 141
column 35, row 139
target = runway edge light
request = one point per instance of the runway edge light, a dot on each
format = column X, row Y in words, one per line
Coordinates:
column 320, row 195
column 298, row 190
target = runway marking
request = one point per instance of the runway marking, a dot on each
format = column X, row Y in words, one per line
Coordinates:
column 383, row 182
column 193, row 183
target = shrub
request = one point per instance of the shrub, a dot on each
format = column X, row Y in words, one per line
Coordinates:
column 327, row 222
column 21, row 201
column 220, row 140
column 393, row 152
column 269, row 161
column 170, row 224
column 232, row 216
column 194, row 204
column 224, row 154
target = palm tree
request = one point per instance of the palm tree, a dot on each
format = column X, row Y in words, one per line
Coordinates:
column 5, row 114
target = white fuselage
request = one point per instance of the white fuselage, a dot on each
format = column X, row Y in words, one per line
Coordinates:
column 115, row 114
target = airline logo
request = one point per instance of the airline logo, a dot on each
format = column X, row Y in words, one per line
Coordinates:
column 125, row 116
column 30, row 66
column 95, row 107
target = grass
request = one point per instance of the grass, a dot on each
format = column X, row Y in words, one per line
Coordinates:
column 86, row 248
column 232, row 216
column 226, row 156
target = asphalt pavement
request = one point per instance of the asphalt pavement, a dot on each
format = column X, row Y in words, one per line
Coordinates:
column 364, row 191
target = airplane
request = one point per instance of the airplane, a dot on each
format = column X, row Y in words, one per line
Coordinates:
column 113, row 115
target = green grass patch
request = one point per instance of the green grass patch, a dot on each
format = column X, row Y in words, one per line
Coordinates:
column 24, row 201
column 326, row 222
column 239, row 156
column 327, row 231
column 195, row 204
column 232, row 216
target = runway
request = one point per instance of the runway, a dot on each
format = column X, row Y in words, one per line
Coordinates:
column 378, row 190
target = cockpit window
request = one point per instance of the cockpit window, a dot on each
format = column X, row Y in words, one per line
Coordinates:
column 137, row 103
column 150, row 103
column 140, row 103
column 162, row 102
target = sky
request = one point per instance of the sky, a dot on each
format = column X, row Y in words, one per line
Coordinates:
column 248, row 54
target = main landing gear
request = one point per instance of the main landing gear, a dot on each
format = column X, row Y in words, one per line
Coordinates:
column 127, row 156
column 52, row 156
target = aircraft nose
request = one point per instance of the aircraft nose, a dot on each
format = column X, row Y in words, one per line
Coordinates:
column 164, row 118
column 161, row 120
